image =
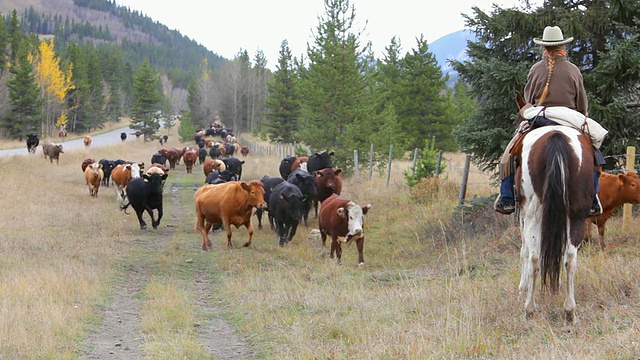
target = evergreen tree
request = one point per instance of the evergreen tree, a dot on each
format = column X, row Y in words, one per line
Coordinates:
column 423, row 111
column 15, row 37
column 147, row 102
column 4, row 41
column 186, row 128
column 25, row 115
column 605, row 49
column 94, row 105
column 283, row 102
column 195, row 103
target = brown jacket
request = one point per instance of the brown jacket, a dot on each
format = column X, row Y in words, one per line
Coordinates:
column 566, row 87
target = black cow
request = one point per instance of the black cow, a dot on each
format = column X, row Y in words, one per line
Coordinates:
column 307, row 185
column 32, row 143
column 319, row 161
column 268, row 183
column 285, row 166
column 230, row 149
column 158, row 158
column 202, row 155
column 145, row 193
column 165, row 138
column 215, row 153
column 218, row 177
column 285, row 206
column 234, row 166
column 123, row 136
column 107, row 167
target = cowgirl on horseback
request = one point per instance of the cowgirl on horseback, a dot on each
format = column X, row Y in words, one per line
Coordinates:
column 554, row 86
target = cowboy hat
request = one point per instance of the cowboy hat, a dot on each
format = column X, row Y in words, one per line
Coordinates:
column 552, row 36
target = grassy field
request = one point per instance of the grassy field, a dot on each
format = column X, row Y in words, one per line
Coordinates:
column 437, row 283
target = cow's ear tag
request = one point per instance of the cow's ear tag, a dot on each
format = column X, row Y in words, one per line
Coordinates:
column 282, row 196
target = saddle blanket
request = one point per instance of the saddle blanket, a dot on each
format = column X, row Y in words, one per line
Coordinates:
column 568, row 117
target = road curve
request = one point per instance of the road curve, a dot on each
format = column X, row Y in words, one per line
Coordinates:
column 108, row 138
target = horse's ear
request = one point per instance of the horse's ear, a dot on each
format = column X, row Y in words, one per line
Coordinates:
column 520, row 100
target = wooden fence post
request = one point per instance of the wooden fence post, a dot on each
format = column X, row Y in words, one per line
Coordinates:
column 415, row 159
column 627, row 209
column 439, row 162
column 465, row 177
column 355, row 164
column 389, row 164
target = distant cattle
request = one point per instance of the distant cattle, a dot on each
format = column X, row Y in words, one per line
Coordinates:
column 93, row 175
column 138, row 133
column 52, row 151
column 107, row 167
column 285, row 207
column 145, row 194
column 62, row 133
column 173, row 156
column 268, row 183
column 615, row 190
column 86, row 163
column 158, row 158
column 215, row 152
column 123, row 136
column 319, row 161
column 309, row 188
column 234, row 166
column 163, row 139
column 328, row 182
column 225, row 205
column 202, row 155
column 343, row 221
column 218, row 177
column 213, row 164
column 285, row 166
column 32, row 143
column 229, row 149
column 121, row 176
column 190, row 157
column 87, row 141
column 244, row 151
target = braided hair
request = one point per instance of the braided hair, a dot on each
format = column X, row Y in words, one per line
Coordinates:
column 549, row 54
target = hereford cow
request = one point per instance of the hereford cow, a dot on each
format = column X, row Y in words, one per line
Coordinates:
column 227, row 204
column 328, row 182
column 32, row 143
column 190, row 157
column 268, row 183
column 93, row 175
column 285, row 207
column 244, row 151
column 319, row 161
column 615, row 190
column 86, row 163
column 234, row 166
column 145, row 193
column 123, row 136
column 342, row 220
column 121, row 176
column 309, row 188
column 52, row 151
column 87, row 142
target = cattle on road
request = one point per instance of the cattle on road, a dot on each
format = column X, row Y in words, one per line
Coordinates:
column 32, row 143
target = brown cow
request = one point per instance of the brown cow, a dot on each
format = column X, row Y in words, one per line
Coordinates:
column 87, row 141
column 342, row 218
column 213, row 164
column 297, row 163
column 120, row 176
column 227, row 204
column 190, row 157
column 173, row 155
column 615, row 190
column 93, row 175
column 244, row 151
column 328, row 182
column 52, row 151
column 86, row 163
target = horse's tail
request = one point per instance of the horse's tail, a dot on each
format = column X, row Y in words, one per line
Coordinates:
column 555, row 209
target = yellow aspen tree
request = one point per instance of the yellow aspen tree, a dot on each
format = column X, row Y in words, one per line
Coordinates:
column 53, row 80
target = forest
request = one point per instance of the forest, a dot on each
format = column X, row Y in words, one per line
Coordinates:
column 61, row 71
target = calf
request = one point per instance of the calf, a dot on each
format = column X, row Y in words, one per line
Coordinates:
column 52, row 151
column 285, row 206
column 87, row 141
column 121, row 176
column 145, row 193
column 32, row 143
column 615, row 190
column 227, row 204
column 93, row 175
column 307, row 184
column 268, row 183
column 342, row 220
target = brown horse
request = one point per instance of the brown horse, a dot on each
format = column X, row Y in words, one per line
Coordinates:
column 554, row 192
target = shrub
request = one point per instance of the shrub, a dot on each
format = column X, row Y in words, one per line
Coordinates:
column 426, row 164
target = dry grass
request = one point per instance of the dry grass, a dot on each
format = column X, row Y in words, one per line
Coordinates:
column 437, row 283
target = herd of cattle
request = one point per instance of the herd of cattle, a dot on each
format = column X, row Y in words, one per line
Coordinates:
column 225, row 200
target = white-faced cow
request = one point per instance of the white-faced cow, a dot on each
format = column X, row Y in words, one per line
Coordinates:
column 343, row 220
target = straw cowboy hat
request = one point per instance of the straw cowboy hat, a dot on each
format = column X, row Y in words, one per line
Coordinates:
column 552, row 36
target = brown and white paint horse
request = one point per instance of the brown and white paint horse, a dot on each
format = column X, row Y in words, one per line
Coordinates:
column 554, row 189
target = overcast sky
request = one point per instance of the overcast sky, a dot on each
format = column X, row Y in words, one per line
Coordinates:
column 226, row 26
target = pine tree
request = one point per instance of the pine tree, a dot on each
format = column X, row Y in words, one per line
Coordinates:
column 15, row 37
column 4, row 40
column 195, row 103
column 25, row 115
column 283, row 101
column 147, row 102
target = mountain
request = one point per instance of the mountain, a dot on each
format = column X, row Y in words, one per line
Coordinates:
column 451, row 47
